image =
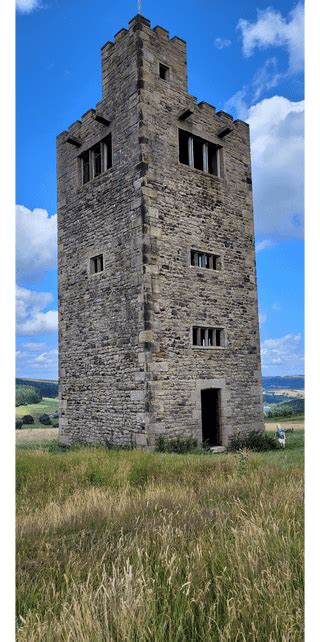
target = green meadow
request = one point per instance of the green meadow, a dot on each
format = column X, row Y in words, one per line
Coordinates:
column 47, row 405
column 116, row 545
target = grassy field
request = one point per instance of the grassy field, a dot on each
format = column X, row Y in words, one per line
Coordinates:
column 296, row 419
column 37, row 438
column 116, row 546
column 47, row 405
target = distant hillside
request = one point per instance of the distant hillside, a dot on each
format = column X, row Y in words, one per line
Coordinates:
column 295, row 382
column 46, row 387
column 287, row 409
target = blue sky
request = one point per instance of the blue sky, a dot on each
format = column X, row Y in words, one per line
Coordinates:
column 246, row 58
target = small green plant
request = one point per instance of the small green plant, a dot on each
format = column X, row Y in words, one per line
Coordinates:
column 27, row 419
column 243, row 460
column 177, row 445
column 257, row 441
column 45, row 420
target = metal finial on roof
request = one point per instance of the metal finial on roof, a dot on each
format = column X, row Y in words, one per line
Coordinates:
column 139, row 6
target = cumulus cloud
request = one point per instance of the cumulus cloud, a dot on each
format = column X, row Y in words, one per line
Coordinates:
column 271, row 29
column 32, row 364
column 277, row 149
column 284, row 354
column 31, row 317
column 222, row 43
column 36, row 242
column 26, row 6
column 277, row 146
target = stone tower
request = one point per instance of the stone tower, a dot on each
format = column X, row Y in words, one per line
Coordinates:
column 158, row 321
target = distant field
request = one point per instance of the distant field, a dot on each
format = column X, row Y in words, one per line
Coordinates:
column 297, row 423
column 126, row 546
column 47, row 405
column 288, row 392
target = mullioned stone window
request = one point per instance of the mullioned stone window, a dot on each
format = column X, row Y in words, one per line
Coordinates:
column 199, row 153
column 96, row 160
column 205, row 260
column 96, row 264
column 208, row 337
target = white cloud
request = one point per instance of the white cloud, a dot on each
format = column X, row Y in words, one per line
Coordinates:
column 26, row 6
column 276, row 306
column 46, row 359
column 33, row 345
column 262, row 245
column 277, row 146
column 31, row 317
column 283, row 355
column 36, row 242
column 32, row 364
column 271, row 29
column 267, row 77
column 222, row 43
column 238, row 104
column 262, row 318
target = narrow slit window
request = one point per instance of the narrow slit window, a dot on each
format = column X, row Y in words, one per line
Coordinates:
column 85, row 167
column 107, row 152
column 96, row 264
column 219, row 337
column 194, row 336
column 198, row 153
column 96, row 160
column 183, row 147
column 163, row 71
column 213, row 160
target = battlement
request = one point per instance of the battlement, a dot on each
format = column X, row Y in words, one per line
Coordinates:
column 132, row 43
column 135, row 52
column 136, row 24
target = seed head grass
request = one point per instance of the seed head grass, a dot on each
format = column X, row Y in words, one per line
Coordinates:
column 133, row 546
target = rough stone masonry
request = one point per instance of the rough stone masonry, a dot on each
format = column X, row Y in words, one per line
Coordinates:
column 158, row 320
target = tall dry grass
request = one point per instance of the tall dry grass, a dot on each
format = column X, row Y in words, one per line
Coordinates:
column 146, row 547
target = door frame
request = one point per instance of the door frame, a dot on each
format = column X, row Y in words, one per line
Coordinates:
column 201, row 384
column 218, row 432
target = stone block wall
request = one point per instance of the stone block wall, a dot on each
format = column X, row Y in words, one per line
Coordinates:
column 128, row 370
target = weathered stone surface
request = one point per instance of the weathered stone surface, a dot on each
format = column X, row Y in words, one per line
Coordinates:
column 128, row 371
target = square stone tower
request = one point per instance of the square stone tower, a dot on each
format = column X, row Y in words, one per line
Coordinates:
column 158, row 320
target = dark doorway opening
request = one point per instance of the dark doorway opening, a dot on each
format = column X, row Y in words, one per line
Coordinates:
column 210, row 411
